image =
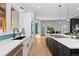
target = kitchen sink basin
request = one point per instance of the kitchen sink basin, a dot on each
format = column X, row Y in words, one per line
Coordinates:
column 58, row 36
column 19, row 38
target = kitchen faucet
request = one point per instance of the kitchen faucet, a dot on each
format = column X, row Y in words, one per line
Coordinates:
column 14, row 34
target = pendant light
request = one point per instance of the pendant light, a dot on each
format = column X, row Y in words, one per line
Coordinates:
column 59, row 11
column 68, row 12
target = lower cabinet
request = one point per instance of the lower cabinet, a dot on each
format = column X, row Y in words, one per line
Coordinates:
column 27, row 45
column 23, row 48
column 50, row 44
column 61, row 50
column 56, row 48
column 18, row 51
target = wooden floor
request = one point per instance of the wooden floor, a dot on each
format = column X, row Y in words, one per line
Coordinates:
column 39, row 48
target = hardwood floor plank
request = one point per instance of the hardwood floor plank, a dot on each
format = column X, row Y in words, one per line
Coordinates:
column 39, row 48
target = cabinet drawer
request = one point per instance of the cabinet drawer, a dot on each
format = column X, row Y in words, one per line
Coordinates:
column 19, row 52
column 75, row 52
column 15, row 50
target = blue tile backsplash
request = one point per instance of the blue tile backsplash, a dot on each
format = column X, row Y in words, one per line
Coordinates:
column 4, row 37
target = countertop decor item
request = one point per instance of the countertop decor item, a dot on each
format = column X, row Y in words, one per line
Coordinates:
column 23, row 31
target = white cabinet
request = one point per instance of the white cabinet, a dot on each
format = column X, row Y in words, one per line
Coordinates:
column 25, row 22
column 18, row 51
column 27, row 45
column 14, row 19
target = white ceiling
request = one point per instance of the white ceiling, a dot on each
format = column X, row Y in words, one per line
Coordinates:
column 3, row 5
column 52, row 10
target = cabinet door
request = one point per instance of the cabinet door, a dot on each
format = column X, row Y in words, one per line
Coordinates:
column 48, row 41
column 66, row 51
column 25, row 43
column 60, row 50
column 50, row 44
column 56, row 47
column 27, row 23
column 19, row 52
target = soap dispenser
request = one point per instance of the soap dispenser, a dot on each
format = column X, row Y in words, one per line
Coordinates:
column 22, row 32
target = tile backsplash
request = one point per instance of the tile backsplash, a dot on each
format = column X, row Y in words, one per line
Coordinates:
column 4, row 37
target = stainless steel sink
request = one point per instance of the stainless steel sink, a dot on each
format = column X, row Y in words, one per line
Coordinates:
column 59, row 36
column 19, row 38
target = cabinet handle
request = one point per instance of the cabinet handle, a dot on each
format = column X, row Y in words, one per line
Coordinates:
column 17, row 51
column 27, row 45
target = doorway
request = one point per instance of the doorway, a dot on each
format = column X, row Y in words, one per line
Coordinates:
column 36, row 28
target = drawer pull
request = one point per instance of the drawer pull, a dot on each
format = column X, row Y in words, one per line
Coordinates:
column 27, row 45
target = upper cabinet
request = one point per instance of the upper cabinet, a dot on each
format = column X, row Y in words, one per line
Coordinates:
column 26, row 23
column 14, row 18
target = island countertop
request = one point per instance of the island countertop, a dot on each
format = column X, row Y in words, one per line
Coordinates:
column 69, row 42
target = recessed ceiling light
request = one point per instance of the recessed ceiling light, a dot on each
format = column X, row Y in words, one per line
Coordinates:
column 68, row 19
column 59, row 6
column 21, row 8
column 39, row 7
column 77, row 8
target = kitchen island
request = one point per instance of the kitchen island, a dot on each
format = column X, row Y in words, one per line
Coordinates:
column 62, row 45
column 11, row 47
